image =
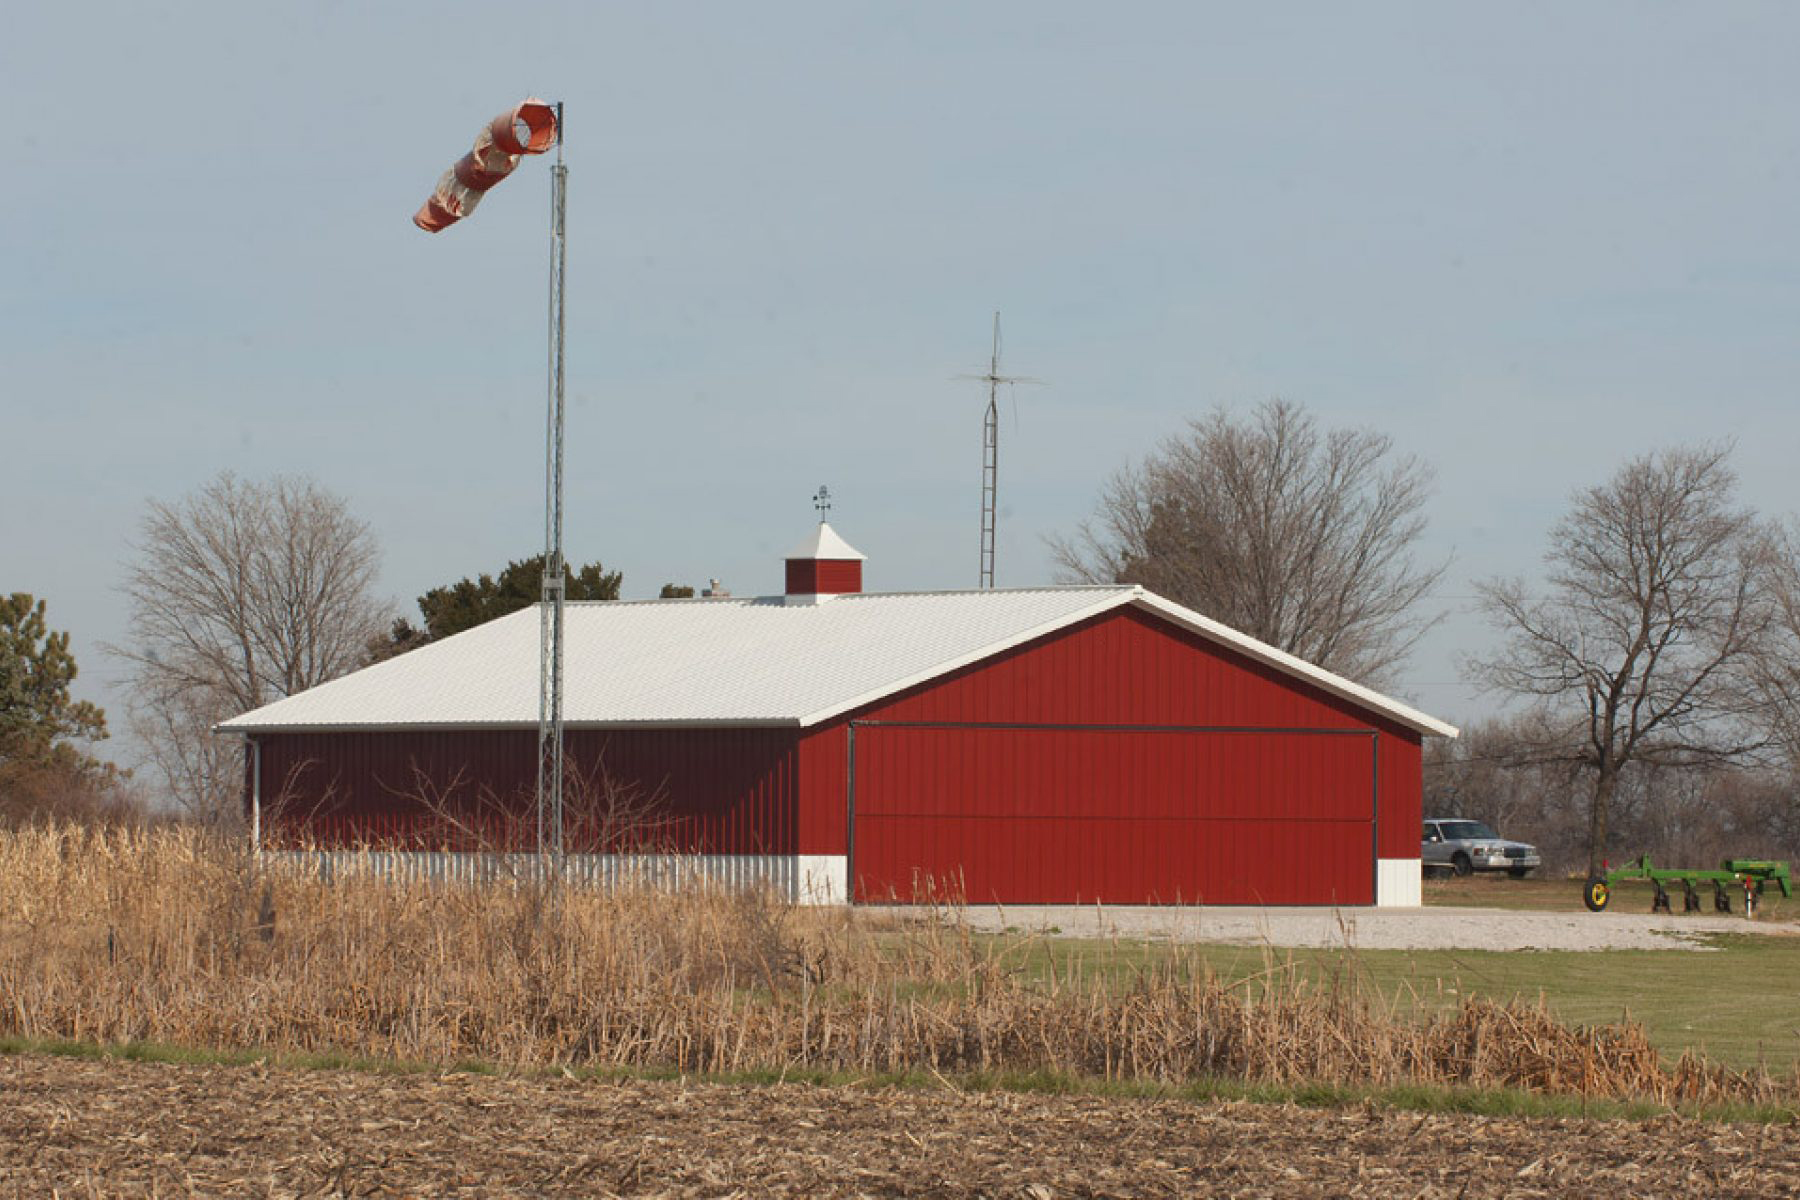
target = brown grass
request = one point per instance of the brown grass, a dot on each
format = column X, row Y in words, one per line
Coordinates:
column 164, row 935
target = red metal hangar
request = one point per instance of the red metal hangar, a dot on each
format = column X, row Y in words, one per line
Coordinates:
column 1032, row 745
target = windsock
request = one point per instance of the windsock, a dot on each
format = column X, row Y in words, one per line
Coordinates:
column 530, row 128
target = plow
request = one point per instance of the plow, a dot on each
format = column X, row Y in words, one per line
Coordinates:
column 1745, row 876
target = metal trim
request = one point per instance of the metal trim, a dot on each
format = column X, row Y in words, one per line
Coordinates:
column 1078, row 728
column 1375, row 819
column 255, row 794
column 850, row 815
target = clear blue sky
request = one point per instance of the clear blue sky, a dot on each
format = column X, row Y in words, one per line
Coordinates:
column 1526, row 240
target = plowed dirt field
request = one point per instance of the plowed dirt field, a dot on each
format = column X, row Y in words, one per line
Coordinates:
column 79, row 1128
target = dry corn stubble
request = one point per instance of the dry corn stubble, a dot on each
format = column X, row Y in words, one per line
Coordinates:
column 168, row 935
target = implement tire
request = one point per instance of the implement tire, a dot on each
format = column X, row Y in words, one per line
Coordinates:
column 1595, row 895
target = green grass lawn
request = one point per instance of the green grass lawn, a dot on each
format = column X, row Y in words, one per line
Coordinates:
column 1738, row 1003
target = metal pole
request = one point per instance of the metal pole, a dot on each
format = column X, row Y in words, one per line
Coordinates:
column 255, row 795
column 550, row 673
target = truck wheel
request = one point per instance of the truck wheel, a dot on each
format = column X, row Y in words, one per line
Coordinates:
column 1596, row 894
column 1461, row 864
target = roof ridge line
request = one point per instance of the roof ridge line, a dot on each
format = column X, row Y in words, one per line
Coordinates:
column 1043, row 587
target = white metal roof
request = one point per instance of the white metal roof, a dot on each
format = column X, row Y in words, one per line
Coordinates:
column 824, row 542
column 735, row 661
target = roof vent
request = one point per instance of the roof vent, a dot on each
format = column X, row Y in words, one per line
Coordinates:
column 822, row 566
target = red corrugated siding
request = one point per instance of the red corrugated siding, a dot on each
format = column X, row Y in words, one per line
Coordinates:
column 823, row 576
column 1131, row 668
column 1402, row 797
column 824, row 780
column 715, row 791
column 1016, row 816
column 1123, row 668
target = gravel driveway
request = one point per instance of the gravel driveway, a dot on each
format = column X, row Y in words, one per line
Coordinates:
column 1372, row 928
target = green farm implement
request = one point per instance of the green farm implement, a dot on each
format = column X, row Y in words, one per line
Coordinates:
column 1747, row 876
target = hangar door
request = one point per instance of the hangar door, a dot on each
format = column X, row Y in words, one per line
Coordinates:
column 1003, row 814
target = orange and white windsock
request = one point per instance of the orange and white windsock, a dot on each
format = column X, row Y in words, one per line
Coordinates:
column 529, row 128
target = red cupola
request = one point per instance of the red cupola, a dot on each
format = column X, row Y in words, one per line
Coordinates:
column 824, row 565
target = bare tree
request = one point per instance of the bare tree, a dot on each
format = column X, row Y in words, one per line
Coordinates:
column 1301, row 538
column 200, row 771
column 1779, row 676
column 242, row 593
column 1649, row 642
column 1516, row 773
column 1497, row 771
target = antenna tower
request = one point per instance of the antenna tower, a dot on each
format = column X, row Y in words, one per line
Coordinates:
column 990, row 455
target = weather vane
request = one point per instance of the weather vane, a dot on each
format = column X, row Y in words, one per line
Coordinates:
column 822, row 502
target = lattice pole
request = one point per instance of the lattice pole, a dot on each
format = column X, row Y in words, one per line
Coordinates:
column 990, row 456
column 550, row 667
column 990, row 471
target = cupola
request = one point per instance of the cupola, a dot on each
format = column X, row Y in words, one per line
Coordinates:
column 822, row 566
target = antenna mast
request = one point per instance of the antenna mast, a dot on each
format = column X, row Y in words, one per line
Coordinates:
column 990, row 462
column 550, row 667
column 990, row 455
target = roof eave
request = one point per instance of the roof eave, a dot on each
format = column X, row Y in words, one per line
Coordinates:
column 1299, row 668
column 232, row 727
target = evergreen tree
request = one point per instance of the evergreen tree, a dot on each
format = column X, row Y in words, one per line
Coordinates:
column 43, row 773
column 37, row 715
column 455, row 607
